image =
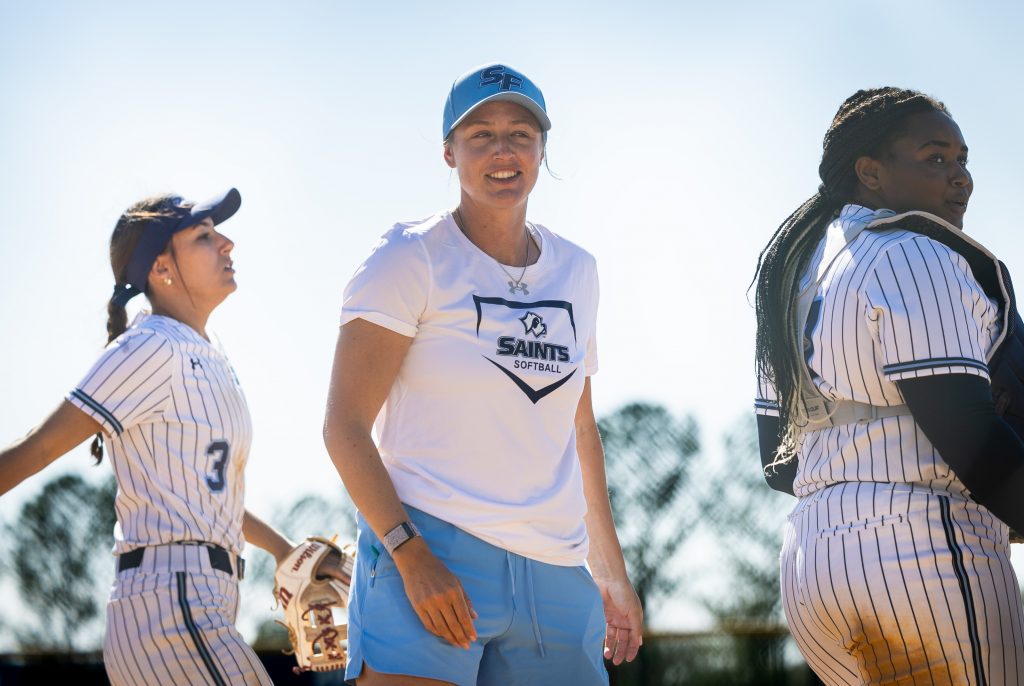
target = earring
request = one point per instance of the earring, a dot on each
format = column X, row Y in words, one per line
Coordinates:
column 167, row 280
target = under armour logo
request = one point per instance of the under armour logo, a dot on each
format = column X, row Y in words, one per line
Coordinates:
column 514, row 286
column 497, row 74
column 196, row 362
column 533, row 324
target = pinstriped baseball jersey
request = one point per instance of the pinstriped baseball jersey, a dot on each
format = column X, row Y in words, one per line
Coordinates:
column 890, row 305
column 178, row 433
column 890, row 572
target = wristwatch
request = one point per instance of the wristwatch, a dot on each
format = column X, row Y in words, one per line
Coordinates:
column 399, row 535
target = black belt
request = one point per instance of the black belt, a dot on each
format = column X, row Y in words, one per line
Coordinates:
column 220, row 559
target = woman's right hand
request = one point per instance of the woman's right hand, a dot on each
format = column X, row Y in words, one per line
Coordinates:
column 436, row 594
column 366, row 363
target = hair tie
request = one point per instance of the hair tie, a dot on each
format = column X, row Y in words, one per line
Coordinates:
column 123, row 292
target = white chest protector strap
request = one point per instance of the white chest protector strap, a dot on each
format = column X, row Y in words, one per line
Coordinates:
column 822, row 412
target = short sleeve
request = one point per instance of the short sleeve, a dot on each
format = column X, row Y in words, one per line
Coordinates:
column 590, row 359
column 927, row 313
column 391, row 287
column 130, row 384
column 766, row 399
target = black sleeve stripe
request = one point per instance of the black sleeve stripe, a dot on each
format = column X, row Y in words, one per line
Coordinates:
column 934, row 362
column 99, row 409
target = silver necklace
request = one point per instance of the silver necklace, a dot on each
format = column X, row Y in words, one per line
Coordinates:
column 514, row 285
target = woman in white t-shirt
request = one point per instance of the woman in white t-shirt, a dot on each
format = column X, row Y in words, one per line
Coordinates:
column 468, row 340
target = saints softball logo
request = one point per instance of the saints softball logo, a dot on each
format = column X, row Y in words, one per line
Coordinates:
column 527, row 353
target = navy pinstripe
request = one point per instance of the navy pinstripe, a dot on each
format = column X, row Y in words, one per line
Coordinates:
column 166, row 396
column 965, row 589
column 197, row 636
column 890, row 572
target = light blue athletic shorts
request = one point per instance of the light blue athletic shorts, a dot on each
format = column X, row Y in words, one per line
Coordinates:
column 539, row 623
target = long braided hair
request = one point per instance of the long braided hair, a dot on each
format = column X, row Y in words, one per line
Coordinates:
column 126, row 234
column 866, row 125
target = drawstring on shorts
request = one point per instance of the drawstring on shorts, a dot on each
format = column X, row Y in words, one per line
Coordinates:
column 530, row 600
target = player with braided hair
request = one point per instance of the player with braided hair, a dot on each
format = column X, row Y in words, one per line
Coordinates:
column 864, row 124
column 879, row 326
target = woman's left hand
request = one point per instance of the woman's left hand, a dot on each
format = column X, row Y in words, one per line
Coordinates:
column 333, row 567
column 624, row 618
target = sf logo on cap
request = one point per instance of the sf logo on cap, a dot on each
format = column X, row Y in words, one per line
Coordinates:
column 497, row 74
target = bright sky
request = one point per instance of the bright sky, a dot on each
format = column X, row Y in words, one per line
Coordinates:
column 683, row 133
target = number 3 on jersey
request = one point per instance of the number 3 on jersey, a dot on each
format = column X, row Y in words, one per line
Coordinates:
column 220, row 451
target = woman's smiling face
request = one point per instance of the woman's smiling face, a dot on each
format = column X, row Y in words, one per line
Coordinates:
column 497, row 151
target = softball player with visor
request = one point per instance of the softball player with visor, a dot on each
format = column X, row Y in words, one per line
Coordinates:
column 468, row 342
column 168, row 404
column 875, row 333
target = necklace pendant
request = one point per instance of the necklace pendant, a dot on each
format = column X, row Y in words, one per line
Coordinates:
column 514, row 286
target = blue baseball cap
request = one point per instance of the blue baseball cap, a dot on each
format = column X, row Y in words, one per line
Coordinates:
column 180, row 214
column 487, row 83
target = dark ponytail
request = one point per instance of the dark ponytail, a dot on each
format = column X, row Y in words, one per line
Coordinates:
column 122, row 243
column 117, row 319
column 865, row 125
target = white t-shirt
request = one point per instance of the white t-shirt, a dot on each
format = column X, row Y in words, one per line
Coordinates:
column 478, row 428
column 178, row 434
column 891, row 305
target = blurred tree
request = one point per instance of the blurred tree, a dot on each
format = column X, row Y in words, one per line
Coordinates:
column 747, row 518
column 58, row 552
column 648, row 453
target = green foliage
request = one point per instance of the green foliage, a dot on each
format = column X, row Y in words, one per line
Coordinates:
column 747, row 518
column 58, row 550
column 657, row 504
column 648, row 454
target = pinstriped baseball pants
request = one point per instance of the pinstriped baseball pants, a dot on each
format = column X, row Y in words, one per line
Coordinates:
column 171, row 621
column 885, row 584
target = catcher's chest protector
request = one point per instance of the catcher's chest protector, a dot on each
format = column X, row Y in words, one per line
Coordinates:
column 1006, row 359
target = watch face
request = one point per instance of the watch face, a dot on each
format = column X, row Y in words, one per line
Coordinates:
column 399, row 535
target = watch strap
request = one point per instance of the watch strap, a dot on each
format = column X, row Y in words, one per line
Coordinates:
column 400, row 534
